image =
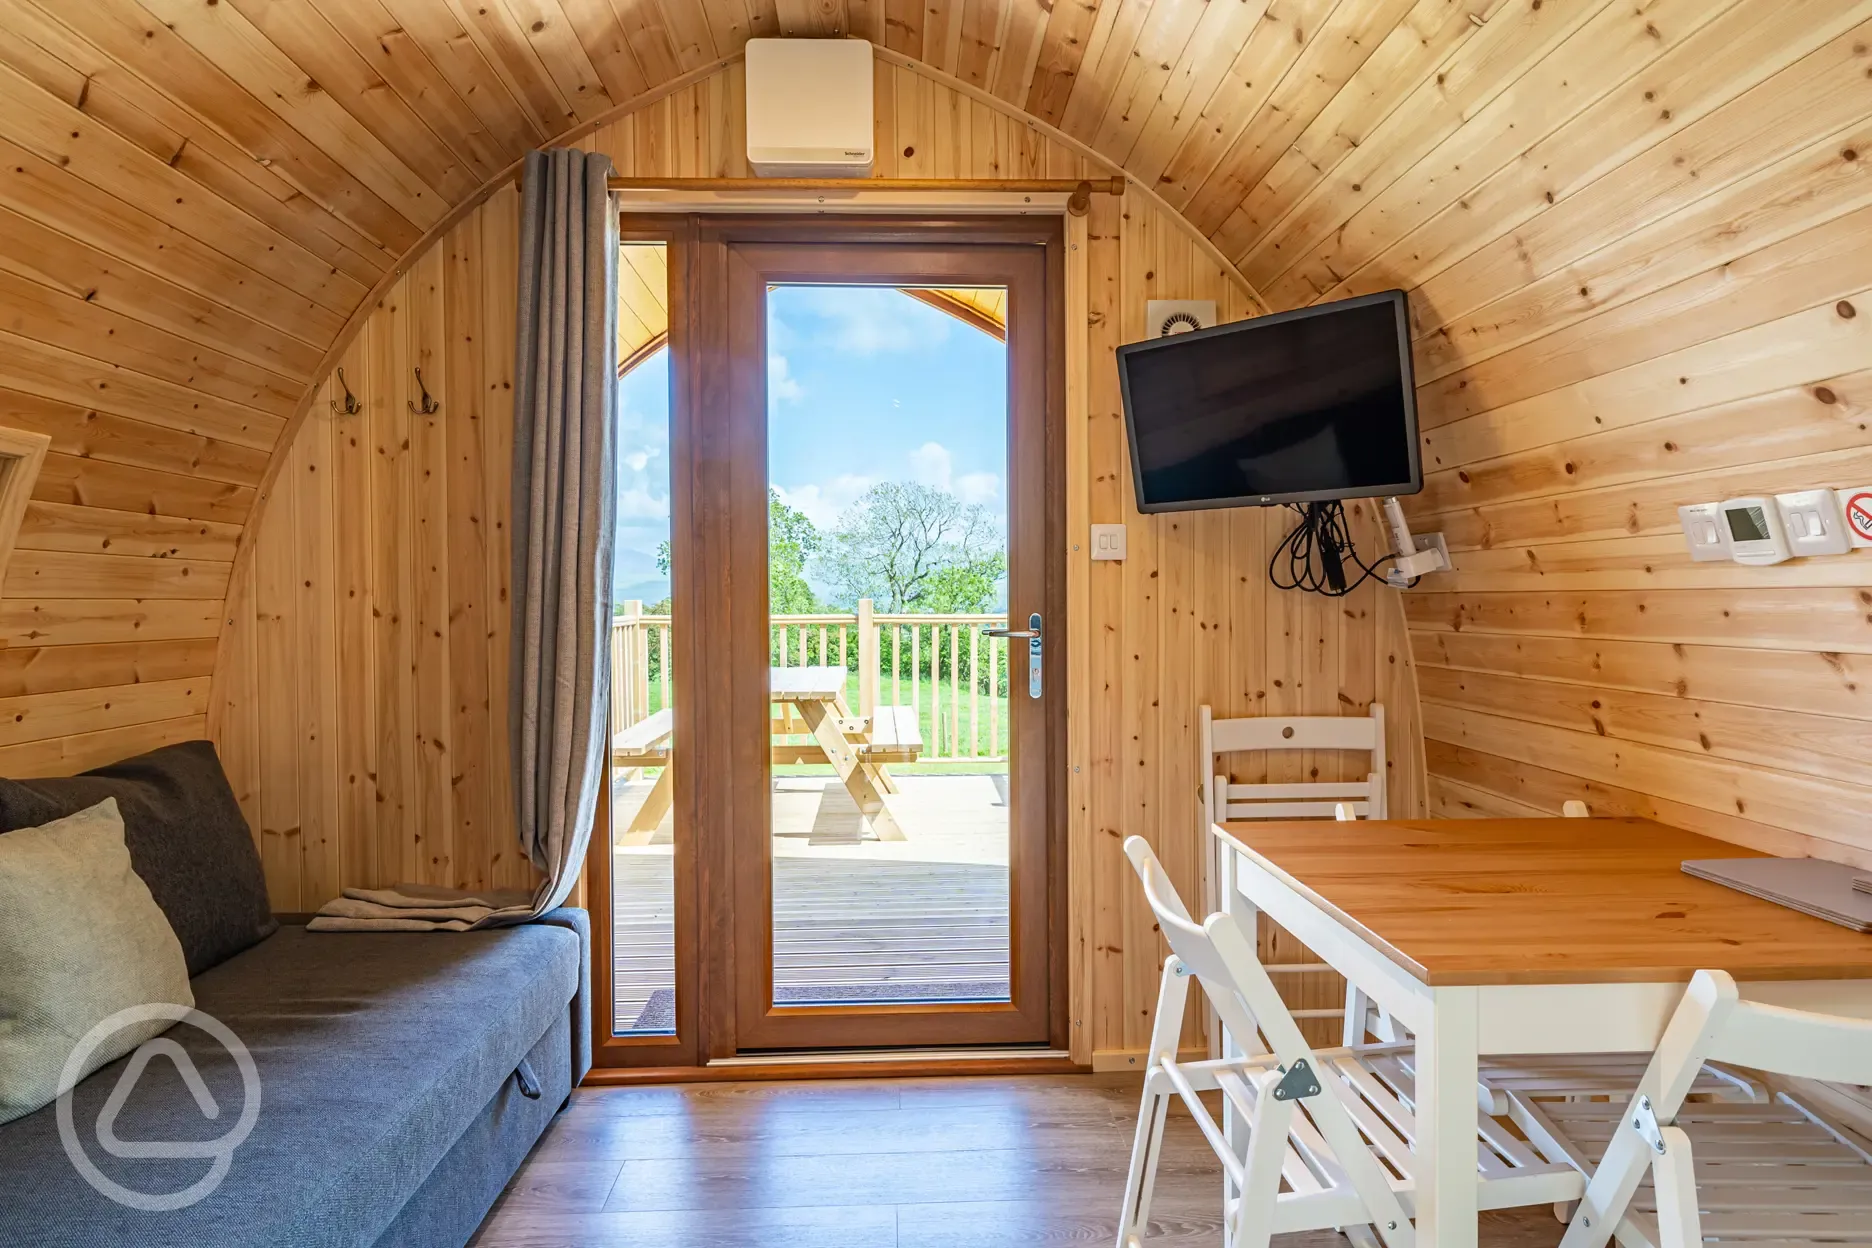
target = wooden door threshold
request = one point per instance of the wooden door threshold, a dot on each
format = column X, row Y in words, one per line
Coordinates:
column 848, row 1064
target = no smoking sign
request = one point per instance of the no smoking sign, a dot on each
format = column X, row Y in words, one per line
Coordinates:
column 1857, row 504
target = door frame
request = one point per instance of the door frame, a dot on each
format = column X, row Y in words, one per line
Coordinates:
column 703, row 475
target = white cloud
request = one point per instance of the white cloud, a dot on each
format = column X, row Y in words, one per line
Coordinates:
column 636, row 460
column 823, row 504
column 978, row 487
column 931, row 464
column 870, row 320
column 636, row 503
column 780, row 381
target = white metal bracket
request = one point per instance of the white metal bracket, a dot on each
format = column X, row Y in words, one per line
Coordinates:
column 1415, row 556
column 1645, row 1123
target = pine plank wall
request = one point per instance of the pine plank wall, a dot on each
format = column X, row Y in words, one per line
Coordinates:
column 1634, row 233
column 1661, row 295
column 368, row 631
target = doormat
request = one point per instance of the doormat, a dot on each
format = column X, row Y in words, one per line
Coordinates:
column 659, row 1012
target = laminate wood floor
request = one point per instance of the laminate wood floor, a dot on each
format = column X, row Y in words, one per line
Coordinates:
column 1025, row 1162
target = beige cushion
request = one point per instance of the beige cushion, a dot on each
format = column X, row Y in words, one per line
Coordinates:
column 80, row 939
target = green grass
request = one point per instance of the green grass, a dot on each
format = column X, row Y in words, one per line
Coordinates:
column 986, row 706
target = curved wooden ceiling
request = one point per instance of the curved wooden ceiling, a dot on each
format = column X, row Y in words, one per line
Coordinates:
column 1633, row 232
column 202, row 193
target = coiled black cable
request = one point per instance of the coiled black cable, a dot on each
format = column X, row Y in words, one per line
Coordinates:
column 1318, row 549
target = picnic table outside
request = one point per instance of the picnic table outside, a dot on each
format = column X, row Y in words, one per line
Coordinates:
column 811, row 703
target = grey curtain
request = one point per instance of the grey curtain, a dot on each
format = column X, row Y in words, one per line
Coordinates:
column 564, row 501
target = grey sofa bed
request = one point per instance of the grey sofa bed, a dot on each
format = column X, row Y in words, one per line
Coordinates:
column 403, row 1078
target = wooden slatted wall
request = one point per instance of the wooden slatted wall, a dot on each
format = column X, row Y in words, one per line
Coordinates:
column 1633, row 232
column 361, row 700
column 1640, row 278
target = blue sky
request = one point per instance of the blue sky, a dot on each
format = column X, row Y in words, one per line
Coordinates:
column 864, row 385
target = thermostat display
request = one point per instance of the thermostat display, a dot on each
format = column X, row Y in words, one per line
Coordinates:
column 1755, row 532
column 1748, row 524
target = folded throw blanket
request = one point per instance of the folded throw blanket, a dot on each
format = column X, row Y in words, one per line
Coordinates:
column 421, row 908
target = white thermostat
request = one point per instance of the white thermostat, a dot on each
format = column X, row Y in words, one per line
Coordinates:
column 1705, row 532
column 1756, row 535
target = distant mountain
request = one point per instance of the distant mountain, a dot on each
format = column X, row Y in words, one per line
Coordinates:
column 645, row 592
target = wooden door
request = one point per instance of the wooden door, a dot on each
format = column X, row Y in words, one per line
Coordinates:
column 758, row 262
column 724, row 747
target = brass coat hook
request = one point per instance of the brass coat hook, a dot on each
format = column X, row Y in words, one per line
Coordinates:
column 351, row 405
column 429, row 406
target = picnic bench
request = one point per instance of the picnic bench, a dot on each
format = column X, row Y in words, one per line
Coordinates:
column 806, row 702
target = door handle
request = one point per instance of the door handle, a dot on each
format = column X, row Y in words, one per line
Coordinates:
column 1034, row 655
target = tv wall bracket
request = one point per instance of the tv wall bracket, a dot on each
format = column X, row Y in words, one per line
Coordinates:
column 1416, row 556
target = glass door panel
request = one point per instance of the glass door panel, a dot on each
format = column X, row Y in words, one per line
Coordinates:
column 642, row 840
column 887, row 446
column 893, row 849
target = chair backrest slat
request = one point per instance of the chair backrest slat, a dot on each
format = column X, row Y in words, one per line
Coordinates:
column 1304, row 732
column 1803, row 1043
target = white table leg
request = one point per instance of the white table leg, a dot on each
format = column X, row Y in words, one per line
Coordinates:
column 1447, row 1069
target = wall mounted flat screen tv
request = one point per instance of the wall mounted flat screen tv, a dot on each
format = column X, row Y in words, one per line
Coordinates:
column 1301, row 406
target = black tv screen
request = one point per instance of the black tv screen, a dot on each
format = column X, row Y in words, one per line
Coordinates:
column 1317, row 403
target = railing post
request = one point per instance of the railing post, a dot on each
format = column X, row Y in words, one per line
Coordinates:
column 626, row 709
column 867, row 659
column 639, row 661
column 620, row 675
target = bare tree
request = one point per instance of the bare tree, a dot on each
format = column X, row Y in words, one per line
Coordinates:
column 911, row 547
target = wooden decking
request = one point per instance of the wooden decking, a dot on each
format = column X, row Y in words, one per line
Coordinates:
column 855, row 919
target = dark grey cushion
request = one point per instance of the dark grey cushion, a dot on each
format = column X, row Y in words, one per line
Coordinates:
column 375, row 1054
column 187, row 839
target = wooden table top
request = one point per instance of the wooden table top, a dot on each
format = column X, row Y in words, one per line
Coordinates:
column 805, row 684
column 1546, row 901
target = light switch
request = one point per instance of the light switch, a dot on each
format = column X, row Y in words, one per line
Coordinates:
column 1704, row 531
column 1814, row 523
column 1108, row 541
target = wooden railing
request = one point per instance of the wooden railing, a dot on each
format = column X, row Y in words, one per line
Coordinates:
column 939, row 665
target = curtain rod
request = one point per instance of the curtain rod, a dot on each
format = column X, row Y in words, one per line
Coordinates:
column 1078, row 190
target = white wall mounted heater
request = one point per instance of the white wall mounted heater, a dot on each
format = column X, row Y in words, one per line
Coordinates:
column 809, row 108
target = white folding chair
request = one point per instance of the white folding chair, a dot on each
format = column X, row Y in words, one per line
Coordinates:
column 1350, row 799
column 1314, row 799
column 1328, row 1134
column 1778, row 1172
